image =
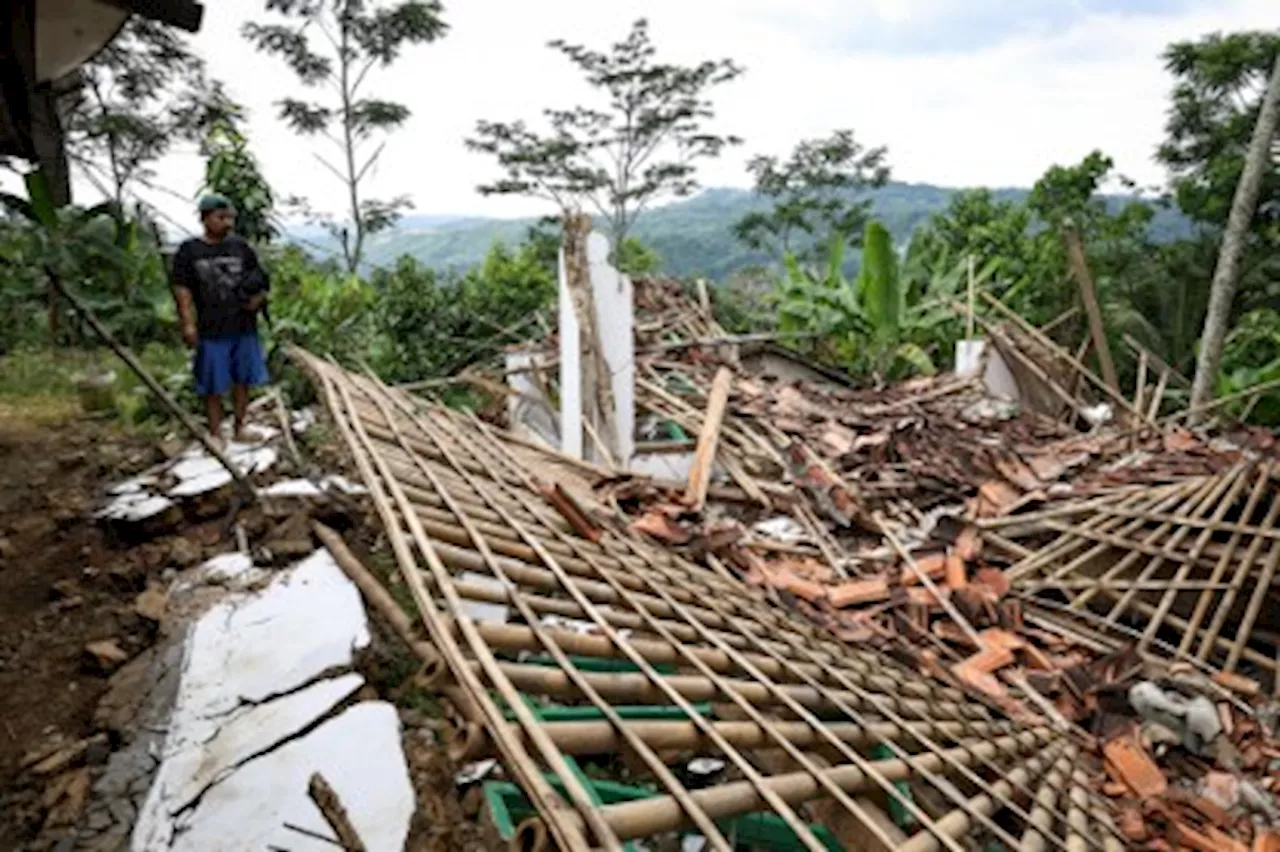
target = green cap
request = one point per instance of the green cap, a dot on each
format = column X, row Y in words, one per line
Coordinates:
column 210, row 203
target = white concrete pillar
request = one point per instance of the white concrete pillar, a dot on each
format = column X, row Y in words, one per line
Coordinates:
column 614, row 302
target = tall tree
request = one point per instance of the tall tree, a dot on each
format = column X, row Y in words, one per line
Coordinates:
column 814, row 193
column 232, row 170
column 143, row 93
column 642, row 144
column 334, row 45
column 1258, row 162
column 1219, row 82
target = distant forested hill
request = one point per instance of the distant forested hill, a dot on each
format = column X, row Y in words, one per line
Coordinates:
column 693, row 237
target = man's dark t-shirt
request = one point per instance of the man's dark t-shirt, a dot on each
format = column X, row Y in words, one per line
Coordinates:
column 221, row 277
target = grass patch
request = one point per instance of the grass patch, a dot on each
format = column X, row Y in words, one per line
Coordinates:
column 47, row 385
column 38, row 410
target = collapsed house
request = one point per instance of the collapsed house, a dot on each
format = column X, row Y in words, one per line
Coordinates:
column 692, row 592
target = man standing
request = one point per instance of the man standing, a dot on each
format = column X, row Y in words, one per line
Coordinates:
column 220, row 287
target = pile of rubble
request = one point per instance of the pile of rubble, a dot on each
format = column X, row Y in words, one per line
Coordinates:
column 811, row 615
column 1055, row 566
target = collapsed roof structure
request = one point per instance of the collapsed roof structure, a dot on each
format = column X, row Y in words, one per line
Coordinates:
column 722, row 599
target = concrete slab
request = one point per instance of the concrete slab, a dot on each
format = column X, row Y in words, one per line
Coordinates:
column 358, row 753
column 259, row 670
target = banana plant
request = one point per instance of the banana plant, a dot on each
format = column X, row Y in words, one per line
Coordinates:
column 885, row 323
column 121, row 273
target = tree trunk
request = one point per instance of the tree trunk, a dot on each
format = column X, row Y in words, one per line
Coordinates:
column 349, row 144
column 1226, row 274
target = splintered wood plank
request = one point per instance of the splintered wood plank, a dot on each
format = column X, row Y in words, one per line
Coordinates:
column 708, row 440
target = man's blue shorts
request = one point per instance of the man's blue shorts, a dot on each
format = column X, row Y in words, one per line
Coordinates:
column 221, row 362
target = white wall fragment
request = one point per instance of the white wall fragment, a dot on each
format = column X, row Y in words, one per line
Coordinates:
column 292, row 488
column 615, row 309
column 135, row 507
column 614, row 306
column 252, row 677
column 250, row 731
column 358, row 753
column 528, row 409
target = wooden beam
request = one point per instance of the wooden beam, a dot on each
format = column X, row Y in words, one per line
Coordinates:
column 1084, row 278
column 708, row 440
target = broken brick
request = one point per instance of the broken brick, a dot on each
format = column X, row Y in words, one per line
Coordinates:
column 562, row 501
column 804, row 589
column 1131, row 824
column 1237, row 683
column 968, row 544
column 658, row 525
column 995, row 580
column 1129, row 762
column 932, row 565
column 995, row 496
column 857, row 592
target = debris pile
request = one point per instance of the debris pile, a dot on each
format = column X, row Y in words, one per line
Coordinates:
column 916, row 616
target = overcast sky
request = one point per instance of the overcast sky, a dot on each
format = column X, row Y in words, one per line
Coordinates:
column 963, row 92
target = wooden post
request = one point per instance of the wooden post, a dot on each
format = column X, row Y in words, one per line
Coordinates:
column 969, row 326
column 708, row 439
column 1084, row 278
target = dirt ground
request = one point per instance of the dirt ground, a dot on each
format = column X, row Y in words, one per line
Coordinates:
column 62, row 585
column 66, row 582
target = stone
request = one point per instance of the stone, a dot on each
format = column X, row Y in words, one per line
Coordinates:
column 184, row 553
column 65, row 517
column 106, row 655
column 97, row 751
column 1195, row 720
column 153, row 554
column 32, row 526
column 63, row 589
column 115, row 840
column 152, row 604
column 7, row 550
column 122, row 812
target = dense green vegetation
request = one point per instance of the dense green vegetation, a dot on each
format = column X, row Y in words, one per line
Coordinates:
column 857, row 269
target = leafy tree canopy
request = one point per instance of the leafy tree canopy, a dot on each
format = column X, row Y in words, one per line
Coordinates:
column 813, row 194
column 332, row 46
column 143, row 93
column 643, row 143
column 231, row 170
column 1218, row 85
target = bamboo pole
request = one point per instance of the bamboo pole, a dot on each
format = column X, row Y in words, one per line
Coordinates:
column 583, row 682
column 957, row 823
column 587, row 738
column 568, row 834
column 327, row 801
column 749, row 708
column 156, row 389
column 885, row 709
column 1034, row 332
column 656, row 815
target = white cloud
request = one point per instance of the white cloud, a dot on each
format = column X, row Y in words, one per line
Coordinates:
column 993, row 115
